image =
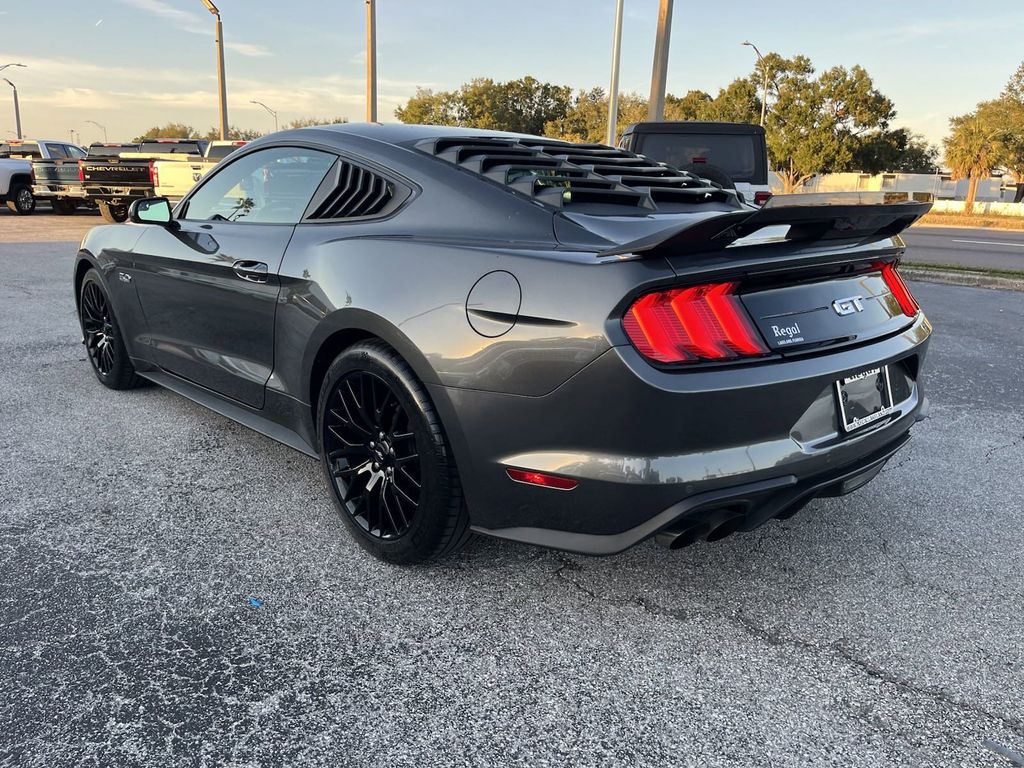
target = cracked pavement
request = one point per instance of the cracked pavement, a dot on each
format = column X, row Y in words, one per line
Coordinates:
column 177, row 591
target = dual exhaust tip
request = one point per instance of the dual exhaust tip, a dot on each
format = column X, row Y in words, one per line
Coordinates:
column 715, row 524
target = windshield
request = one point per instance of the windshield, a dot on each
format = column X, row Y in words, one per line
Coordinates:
column 736, row 154
column 164, row 147
column 111, row 150
column 26, row 150
column 220, row 151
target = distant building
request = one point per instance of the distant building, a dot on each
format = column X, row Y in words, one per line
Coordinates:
column 920, row 186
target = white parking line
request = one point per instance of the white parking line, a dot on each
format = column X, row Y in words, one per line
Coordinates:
column 991, row 242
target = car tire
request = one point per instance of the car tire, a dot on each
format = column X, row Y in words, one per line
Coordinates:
column 62, row 207
column 387, row 460
column 20, row 200
column 115, row 214
column 102, row 336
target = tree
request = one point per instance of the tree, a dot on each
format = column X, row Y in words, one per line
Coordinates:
column 234, row 134
column 1007, row 114
column 897, row 150
column 738, row 102
column 168, row 131
column 308, row 122
column 815, row 123
column 971, row 151
column 688, row 107
column 587, row 118
column 525, row 105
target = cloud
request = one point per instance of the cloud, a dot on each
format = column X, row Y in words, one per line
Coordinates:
column 248, row 49
column 195, row 23
column 186, row 20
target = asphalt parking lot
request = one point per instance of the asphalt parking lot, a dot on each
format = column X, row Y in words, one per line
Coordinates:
column 177, row 590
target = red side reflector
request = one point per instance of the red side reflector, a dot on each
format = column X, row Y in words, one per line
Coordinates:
column 760, row 198
column 899, row 289
column 704, row 322
column 541, row 479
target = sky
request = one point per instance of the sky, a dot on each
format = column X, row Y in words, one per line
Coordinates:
column 132, row 64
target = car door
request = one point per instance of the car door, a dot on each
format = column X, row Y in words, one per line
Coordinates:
column 208, row 284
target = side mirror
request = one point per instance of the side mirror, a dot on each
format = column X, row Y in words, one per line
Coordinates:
column 151, row 210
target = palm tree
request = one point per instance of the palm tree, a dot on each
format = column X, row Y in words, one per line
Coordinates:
column 971, row 150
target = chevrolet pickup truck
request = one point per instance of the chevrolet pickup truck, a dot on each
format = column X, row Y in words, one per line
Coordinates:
column 114, row 182
column 174, row 179
column 16, row 157
column 60, row 181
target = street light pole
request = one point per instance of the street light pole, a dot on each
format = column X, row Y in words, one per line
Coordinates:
column 221, row 81
column 764, row 80
column 17, row 110
column 272, row 112
column 659, row 77
column 371, row 61
column 101, row 127
column 613, row 88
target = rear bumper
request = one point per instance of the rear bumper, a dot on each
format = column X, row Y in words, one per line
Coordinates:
column 715, row 514
column 649, row 448
column 58, row 190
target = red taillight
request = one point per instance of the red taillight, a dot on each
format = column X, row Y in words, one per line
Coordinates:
column 154, row 174
column 81, row 171
column 899, row 289
column 541, row 479
column 683, row 325
column 760, row 198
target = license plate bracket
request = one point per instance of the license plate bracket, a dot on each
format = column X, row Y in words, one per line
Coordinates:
column 864, row 398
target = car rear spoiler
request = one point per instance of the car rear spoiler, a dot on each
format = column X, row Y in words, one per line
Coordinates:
column 833, row 222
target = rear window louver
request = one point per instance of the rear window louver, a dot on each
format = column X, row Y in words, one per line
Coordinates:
column 353, row 192
column 563, row 174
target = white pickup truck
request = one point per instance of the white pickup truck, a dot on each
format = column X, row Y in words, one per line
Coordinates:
column 174, row 179
column 16, row 158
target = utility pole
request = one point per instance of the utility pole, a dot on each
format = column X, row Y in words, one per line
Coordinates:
column 764, row 80
column 17, row 110
column 659, row 76
column 613, row 89
column 371, row 61
column 221, row 80
column 101, row 127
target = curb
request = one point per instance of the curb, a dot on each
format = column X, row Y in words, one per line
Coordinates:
column 962, row 277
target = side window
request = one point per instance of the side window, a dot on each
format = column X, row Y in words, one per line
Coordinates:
column 57, row 151
column 272, row 186
column 75, row 153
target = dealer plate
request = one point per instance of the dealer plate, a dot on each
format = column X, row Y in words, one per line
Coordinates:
column 864, row 398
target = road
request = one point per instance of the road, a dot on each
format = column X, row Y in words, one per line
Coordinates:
column 179, row 591
column 964, row 247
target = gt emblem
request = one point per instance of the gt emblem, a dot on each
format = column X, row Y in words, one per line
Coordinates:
column 848, row 305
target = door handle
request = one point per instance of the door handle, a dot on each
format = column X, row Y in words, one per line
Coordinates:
column 253, row 271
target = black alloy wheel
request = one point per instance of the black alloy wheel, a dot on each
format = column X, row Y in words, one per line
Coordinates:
column 372, row 451
column 22, row 201
column 98, row 328
column 102, row 338
column 387, row 459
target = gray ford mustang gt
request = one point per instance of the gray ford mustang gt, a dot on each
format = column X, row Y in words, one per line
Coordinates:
column 563, row 344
